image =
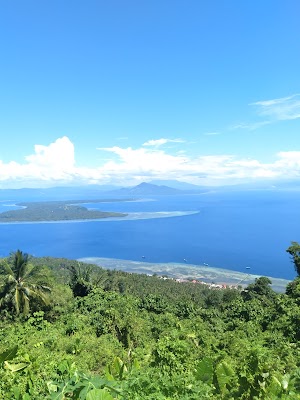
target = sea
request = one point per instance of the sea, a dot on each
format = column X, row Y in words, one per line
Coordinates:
column 239, row 231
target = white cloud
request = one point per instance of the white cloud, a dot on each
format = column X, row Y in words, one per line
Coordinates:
column 139, row 164
column 160, row 142
column 274, row 110
column 139, row 161
column 284, row 108
column 211, row 133
column 49, row 163
column 250, row 126
column 59, row 155
column 55, row 165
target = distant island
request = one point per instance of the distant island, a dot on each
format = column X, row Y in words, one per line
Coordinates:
column 57, row 211
column 146, row 189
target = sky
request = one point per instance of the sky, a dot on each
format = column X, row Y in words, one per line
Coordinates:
column 121, row 92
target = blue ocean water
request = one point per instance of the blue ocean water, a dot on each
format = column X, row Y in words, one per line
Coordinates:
column 233, row 230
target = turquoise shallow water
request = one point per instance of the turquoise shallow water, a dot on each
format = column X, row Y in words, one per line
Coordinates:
column 184, row 271
column 225, row 230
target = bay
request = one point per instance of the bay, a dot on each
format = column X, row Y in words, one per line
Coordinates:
column 240, row 231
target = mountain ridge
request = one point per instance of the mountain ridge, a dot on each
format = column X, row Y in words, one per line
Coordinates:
column 145, row 188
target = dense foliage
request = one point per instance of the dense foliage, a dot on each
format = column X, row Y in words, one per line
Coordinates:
column 114, row 335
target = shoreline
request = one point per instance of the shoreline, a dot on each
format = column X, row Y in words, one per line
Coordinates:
column 127, row 217
column 203, row 273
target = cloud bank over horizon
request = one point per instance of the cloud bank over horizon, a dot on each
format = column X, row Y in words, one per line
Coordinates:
column 55, row 165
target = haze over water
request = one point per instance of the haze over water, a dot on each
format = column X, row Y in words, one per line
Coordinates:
column 233, row 230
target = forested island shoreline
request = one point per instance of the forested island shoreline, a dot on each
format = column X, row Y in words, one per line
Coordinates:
column 68, row 210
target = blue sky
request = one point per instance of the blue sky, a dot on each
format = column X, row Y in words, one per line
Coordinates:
column 126, row 91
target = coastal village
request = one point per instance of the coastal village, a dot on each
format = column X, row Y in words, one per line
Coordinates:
column 209, row 285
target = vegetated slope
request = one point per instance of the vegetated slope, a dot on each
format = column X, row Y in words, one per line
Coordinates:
column 129, row 336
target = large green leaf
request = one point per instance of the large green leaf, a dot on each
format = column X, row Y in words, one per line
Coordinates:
column 224, row 373
column 99, row 394
column 15, row 367
column 285, row 381
column 204, row 370
column 9, row 354
column 275, row 387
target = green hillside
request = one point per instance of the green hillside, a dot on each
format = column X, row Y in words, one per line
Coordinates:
column 71, row 330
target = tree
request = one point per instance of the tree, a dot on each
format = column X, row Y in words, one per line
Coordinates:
column 260, row 287
column 294, row 251
column 293, row 288
column 23, row 283
column 80, row 280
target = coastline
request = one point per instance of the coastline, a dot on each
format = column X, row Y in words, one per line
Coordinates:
column 202, row 273
column 126, row 217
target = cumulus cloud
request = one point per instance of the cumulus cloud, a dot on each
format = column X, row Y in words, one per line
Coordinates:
column 55, row 162
column 48, row 166
column 55, row 165
column 160, row 142
column 141, row 163
column 139, row 160
column 59, row 154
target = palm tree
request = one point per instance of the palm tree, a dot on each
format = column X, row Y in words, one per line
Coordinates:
column 22, row 284
column 80, row 280
column 83, row 278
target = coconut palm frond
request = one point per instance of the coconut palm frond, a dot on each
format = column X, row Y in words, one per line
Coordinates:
column 86, row 272
column 25, row 304
column 19, row 263
column 100, row 278
column 75, row 275
column 40, row 292
column 17, row 301
column 6, row 269
column 28, row 271
column 23, row 282
column 11, row 279
column 45, row 298
column 45, row 288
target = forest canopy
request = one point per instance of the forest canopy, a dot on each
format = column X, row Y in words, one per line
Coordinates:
column 71, row 330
